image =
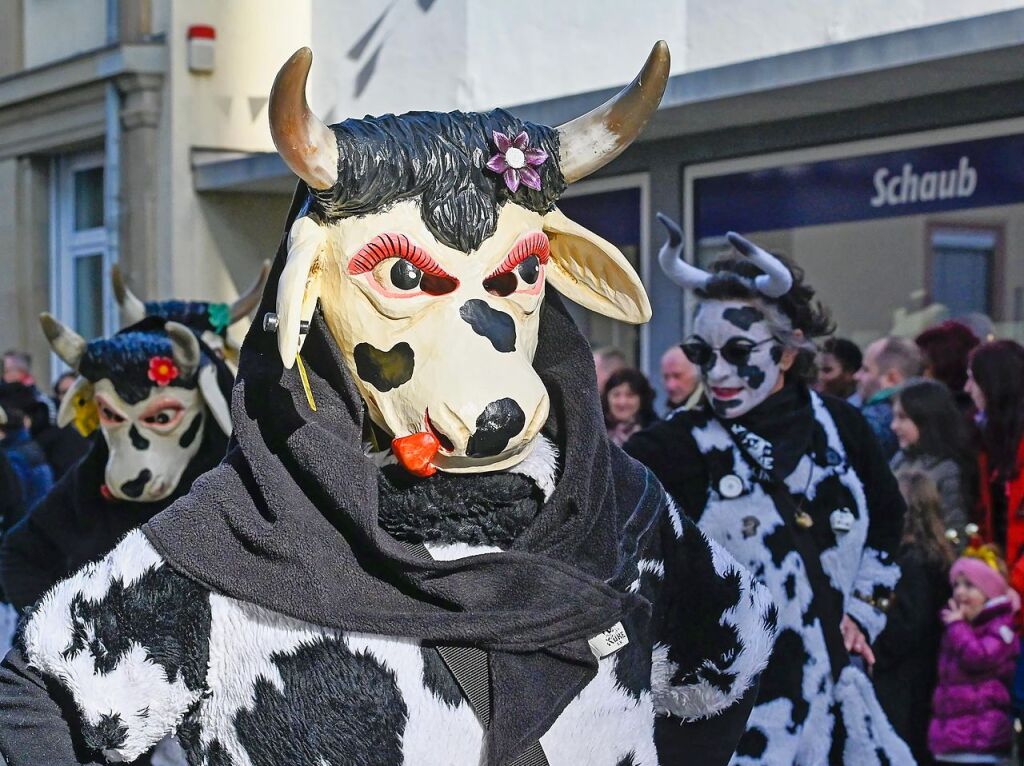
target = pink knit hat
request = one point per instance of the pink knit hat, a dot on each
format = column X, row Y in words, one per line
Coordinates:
column 985, row 578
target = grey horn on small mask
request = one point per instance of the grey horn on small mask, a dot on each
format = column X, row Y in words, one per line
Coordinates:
column 777, row 280
column 132, row 308
column 250, row 299
column 671, row 260
column 184, row 348
column 65, row 342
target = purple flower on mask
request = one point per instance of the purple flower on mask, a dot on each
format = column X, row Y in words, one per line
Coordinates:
column 516, row 160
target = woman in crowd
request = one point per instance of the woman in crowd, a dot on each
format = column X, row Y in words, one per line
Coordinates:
column 906, row 652
column 933, row 438
column 977, row 657
column 628, row 403
column 946, row 348
column 795, row 486
column 995, row 382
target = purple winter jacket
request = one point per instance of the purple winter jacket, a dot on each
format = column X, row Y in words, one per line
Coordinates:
column 971, row 704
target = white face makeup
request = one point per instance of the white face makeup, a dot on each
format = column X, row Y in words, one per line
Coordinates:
column 743, row 365
column 151, row 442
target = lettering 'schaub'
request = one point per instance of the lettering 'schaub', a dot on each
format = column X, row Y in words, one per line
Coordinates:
column 908, row 186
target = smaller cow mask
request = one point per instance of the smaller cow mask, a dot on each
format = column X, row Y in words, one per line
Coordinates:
column 736, row 343
column 209, row 320
column 150, row 393
column 428, row 240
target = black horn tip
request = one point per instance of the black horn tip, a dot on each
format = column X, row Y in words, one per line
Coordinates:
column 675, row 233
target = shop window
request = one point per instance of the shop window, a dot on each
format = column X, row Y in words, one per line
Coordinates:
column 960, row 269
column 616, row 216
column 80, row 256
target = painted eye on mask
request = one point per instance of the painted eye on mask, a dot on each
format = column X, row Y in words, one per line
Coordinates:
column 108, row 415
column 522, row 270
column 164, row 417
column 396, row 267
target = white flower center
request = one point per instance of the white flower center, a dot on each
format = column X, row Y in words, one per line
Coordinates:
column 515, row 158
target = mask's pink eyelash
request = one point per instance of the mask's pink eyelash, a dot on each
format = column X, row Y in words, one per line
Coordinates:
column 532, row 244
column 385, row 246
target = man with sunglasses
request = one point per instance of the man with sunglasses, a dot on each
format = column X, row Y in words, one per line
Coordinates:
column 794, row 486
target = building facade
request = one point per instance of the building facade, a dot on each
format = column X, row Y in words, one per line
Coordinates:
column 877, row 143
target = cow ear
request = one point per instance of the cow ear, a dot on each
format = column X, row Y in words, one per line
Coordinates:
column 214, row 398
column 299, row 286
column 79, row 407
column 593, row 272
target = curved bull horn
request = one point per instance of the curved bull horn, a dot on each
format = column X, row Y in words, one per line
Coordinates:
column 306, row 145
column 184, row 348
column 670, row 258
column 65, row 342
column 250, row 299
column 777, row 280
column 598, row 137
column 132, row 308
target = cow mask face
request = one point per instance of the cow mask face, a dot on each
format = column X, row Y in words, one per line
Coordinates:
column 151, row 394
column 442, row 342
column 430, row 268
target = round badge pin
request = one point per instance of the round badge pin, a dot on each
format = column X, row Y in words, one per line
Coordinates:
column 730, row 486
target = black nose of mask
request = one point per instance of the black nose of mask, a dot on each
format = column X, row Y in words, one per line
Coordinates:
column 497, row 424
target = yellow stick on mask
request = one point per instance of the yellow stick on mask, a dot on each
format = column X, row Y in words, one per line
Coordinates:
column 305, row 383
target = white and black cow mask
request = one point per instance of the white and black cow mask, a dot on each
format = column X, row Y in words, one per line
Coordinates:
column 428, row 241
column 151, row 393
column 209, row 320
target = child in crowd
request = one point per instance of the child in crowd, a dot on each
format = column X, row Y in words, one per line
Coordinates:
column 906, row 652
column 971, row 708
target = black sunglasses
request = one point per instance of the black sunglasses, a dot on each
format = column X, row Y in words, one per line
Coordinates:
column 736, row 351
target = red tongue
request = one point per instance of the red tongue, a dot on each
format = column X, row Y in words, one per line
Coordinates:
column 105, row 492
column 415, row 452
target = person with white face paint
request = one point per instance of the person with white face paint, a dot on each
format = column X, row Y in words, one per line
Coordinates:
column 793, row 485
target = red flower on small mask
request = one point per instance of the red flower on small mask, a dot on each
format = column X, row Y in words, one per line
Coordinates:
column 162, row 370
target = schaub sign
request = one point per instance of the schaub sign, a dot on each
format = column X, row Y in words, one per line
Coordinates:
column 929, row 179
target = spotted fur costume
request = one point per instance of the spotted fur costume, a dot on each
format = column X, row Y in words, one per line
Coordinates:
column 143, row 651
column 801, row 716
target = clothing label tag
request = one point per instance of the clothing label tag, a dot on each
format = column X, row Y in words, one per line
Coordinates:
column 609, row 642
column 842, row 520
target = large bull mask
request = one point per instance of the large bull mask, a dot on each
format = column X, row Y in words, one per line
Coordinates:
column 151, row 393
column 428, row 241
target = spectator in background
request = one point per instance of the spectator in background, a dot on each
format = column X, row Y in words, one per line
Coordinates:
column 18, row 367
column 681, row 379
column 838, row 363
column 62, row 447
column 888, row 363
column 906, row 651
column 932, row 438
column 61, row 386
column 25, row 456
column 977, row 658
column 628, row 403
column 995, row 383
column 946, row 348
column 606, row 361
column 12, row 500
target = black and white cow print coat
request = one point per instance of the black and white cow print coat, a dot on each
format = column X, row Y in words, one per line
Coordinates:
column 142, row 651
column 841, row 480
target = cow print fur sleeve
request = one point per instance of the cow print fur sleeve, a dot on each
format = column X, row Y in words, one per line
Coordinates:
column 127, row 639
column 878, row 572
column 714, row 625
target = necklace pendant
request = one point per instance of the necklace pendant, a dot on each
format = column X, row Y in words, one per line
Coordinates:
column 804, row 520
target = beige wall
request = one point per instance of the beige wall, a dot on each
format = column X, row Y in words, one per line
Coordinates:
column 57, row 29
column 25, row 290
